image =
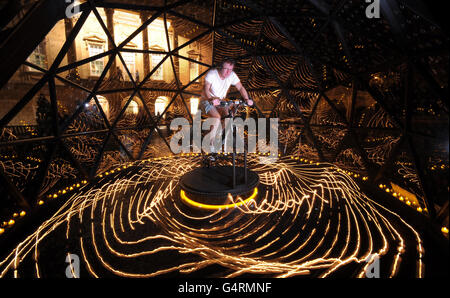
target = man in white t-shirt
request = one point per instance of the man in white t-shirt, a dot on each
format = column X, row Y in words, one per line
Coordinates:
column 217, row 82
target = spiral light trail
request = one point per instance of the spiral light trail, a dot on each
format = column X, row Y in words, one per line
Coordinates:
column 306, row 220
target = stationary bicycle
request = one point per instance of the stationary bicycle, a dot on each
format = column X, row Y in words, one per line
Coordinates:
column 236, row 108
column 211, row 185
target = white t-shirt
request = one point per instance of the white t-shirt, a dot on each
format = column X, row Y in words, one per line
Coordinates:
column 219, row 87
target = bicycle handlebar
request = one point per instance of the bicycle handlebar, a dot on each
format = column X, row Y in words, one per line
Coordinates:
column 237, row 102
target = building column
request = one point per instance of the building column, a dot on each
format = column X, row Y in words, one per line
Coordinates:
column 146, row 58
column 71, row 52
column 110, row 26
column 176, row 61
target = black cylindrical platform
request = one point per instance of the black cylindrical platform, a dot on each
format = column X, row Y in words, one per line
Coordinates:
column 212, row 185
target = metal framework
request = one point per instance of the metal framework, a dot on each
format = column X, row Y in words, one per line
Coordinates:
column 224, row 28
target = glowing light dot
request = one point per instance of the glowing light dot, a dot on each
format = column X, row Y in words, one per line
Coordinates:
column 444, row 230
column 11, row 222
column 41, row 202
column 2, row 230
column 22, row 213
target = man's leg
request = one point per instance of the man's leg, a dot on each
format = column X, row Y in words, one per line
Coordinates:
column 223, row 112
column 215, row 115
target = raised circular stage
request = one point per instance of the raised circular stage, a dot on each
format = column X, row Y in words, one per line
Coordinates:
column 213, row 187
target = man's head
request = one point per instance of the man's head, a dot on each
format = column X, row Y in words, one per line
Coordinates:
column 226, row 67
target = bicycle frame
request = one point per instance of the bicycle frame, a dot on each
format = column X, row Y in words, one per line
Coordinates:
column 227, row 133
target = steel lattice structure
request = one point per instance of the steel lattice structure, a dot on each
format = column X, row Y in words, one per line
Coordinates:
column 311, row 63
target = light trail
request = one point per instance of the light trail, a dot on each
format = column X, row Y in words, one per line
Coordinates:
column 307, row 219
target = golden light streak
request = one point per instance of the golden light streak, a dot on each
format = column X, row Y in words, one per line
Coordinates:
column 218, row 207
column 303, row 219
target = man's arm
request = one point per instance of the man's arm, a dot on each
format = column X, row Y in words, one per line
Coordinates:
column 244, row 93
column 206, row 94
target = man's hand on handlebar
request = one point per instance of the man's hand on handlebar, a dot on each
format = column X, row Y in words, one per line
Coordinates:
column 230, row 103
column 216, row 101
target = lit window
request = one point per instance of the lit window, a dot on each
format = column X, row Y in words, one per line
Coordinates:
column 194, row 105
column 97, row 66
column 38, row 57
column 160, row 105
column 132, row 108
column 158, row 74
column 130, row 61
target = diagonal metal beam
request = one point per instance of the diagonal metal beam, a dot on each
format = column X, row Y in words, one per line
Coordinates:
column 294, row 103
column 35, row 185
column 380, row 100
column 30, row 94
column 352, row 134
column 80, row 108
column 73, row 160
column 13, row 191
column 83, row 61
column 23, row 102
column 353, row 103
column 177, row 81
column 54, row 106
column 213, row 22
column 425, row 73
column 98, row 159
column 70, row 39
column 391, row 11
column 420, row 170
column 46, row 13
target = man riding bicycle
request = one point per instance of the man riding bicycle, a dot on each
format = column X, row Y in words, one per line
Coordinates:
column 217, row 82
